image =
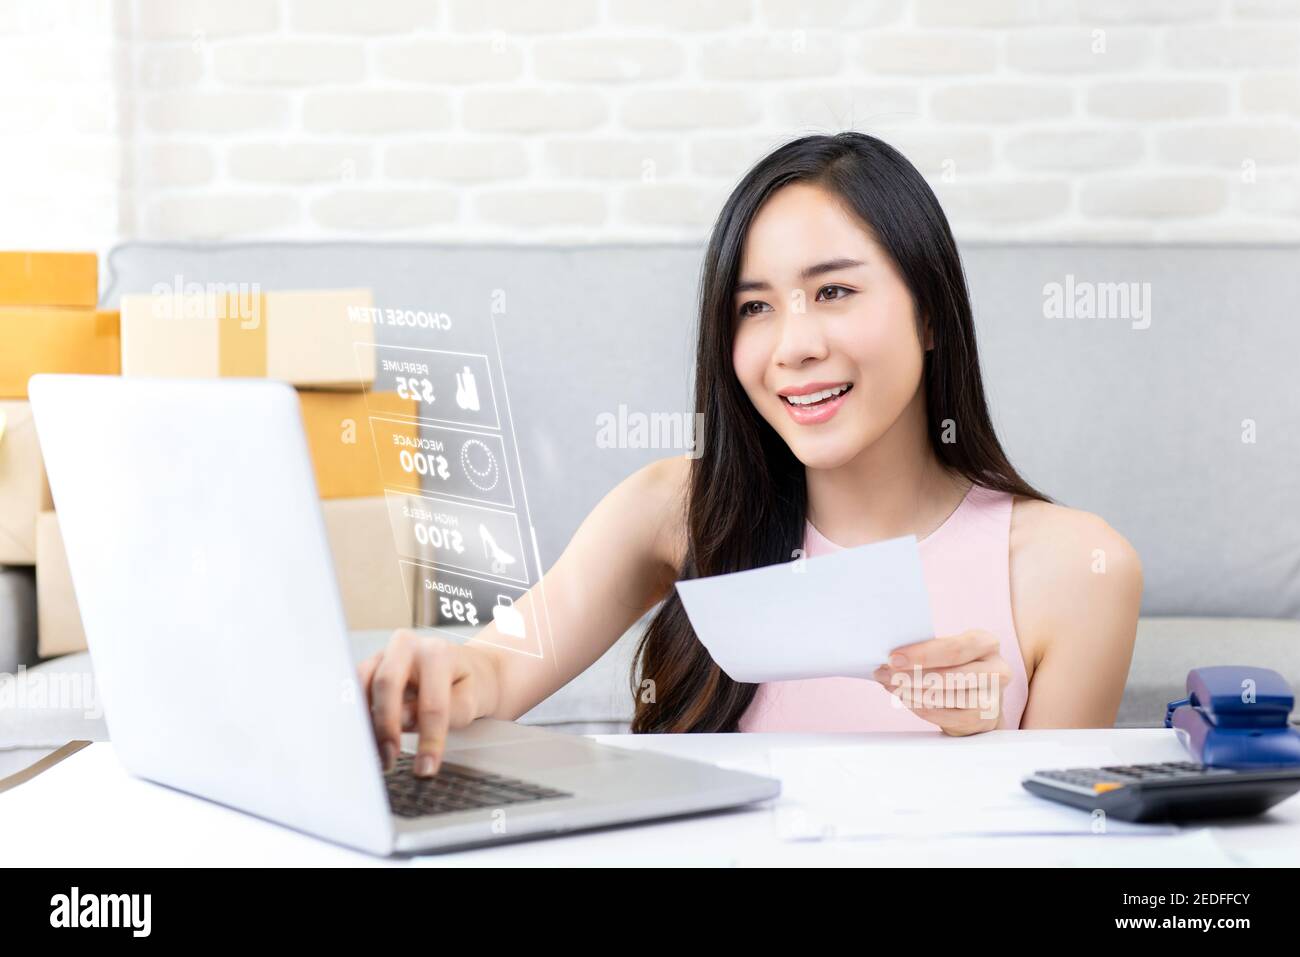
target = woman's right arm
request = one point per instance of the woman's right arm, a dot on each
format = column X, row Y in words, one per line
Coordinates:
column 621, row 561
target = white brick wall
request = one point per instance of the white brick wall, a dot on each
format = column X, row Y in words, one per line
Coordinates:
column 63, row 170
column 591, row 120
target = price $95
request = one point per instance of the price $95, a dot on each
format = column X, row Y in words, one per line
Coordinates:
column 459, row 610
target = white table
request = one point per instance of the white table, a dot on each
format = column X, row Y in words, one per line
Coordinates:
column 86, row 811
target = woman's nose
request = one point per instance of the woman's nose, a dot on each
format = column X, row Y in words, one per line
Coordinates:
column 802, row 338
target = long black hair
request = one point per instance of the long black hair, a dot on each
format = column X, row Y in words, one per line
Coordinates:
column 746, row 503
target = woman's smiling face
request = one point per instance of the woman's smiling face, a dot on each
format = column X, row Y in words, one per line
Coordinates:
column 823, row 314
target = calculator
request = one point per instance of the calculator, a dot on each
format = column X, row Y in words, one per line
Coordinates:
column 1170, row 791
column 1235, row 724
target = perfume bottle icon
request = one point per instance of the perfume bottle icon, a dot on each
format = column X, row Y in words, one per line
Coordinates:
column 499, row 556
column 466, row 390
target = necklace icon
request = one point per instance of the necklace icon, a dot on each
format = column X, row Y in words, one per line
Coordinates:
column 484, row 479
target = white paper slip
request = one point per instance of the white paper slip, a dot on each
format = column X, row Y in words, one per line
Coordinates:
column 901, row 790
column 836, row 615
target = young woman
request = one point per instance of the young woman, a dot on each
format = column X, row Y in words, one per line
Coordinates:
column 840, row 387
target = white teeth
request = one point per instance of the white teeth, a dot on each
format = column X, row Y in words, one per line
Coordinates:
column 812, row 397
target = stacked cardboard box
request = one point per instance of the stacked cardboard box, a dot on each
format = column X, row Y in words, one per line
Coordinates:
column 24, row 493
column 48, row 323
column 304, row 338
column 308, row 340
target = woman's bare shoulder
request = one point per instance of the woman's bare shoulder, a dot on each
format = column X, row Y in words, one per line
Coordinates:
column 1068, row 567
column 1057, row 533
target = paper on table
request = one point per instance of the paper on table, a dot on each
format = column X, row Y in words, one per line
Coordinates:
column 836, row 615
column 1188, row 848
column 892, row 790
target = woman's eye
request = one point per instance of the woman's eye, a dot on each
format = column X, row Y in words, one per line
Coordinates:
column 753, row 306
column 827, row 293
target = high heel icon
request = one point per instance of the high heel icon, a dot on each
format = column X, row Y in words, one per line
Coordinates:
column 500, row 557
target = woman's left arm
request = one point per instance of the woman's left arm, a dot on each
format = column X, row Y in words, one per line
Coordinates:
column 1076, row 590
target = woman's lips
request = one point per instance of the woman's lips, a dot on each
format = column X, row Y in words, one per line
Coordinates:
column 815, row 414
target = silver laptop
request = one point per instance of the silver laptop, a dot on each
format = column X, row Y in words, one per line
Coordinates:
column 199, row 558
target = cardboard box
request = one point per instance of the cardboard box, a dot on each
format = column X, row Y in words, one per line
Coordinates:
column 342, row 448
column 375, row 589
column 303, row 338
column 58, row 621
column 49, row 279
column 42, row 339
column 24, row 493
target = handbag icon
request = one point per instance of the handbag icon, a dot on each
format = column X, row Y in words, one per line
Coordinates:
column 507, row 617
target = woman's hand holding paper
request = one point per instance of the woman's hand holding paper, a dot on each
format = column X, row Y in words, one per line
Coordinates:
column 954, row 682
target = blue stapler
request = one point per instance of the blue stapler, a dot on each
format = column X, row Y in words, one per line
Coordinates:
column 1236, row 717
column 1245, row 757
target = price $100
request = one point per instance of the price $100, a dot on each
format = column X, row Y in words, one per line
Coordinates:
column 424, row 463
column 448, row 538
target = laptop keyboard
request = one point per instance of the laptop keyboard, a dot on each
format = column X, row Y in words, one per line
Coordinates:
column 456, row 788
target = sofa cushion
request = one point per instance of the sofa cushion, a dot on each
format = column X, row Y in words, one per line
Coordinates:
column 17, row 618
column 1168, row 648
column 599, row 701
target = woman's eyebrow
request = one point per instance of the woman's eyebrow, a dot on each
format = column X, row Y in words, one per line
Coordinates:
column 817, row 269
column 830, row 265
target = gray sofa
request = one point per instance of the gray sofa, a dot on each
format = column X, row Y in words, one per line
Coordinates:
column 1140, row 418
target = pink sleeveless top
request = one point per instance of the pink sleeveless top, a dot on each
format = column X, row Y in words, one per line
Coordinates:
column 966, row 562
